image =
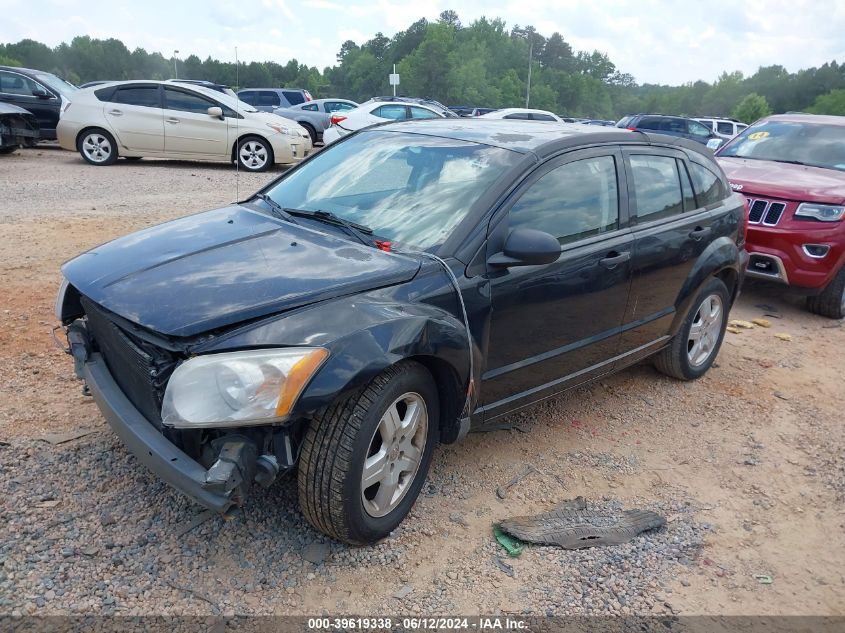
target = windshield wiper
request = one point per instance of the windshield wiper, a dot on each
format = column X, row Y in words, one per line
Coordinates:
column 277, row 209
column 359, row 231
column 790, row 162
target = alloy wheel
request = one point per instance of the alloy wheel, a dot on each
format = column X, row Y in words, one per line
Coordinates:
column 253, row 155
column 705, row 330
column 97, row 148
column 394, row 454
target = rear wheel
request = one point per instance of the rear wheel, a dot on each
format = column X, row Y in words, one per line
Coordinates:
column 831, row 302
column 97, row 147
column 254, row 154
column 311, row 132
column 695, row 347
column 364, row 459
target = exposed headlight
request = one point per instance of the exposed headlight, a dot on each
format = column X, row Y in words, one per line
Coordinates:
column 239, row 388
column 283, row 129
column 821, row 212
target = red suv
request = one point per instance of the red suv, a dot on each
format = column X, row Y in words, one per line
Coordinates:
column 791, row 169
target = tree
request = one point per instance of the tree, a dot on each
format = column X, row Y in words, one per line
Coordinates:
column 831, row 103
column 751, row 108
column 450, row 18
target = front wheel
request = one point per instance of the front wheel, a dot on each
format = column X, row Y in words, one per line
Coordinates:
column 695, row 347
column 254, row 154
column 831, row 302
column 97, row 147
column 365, row 459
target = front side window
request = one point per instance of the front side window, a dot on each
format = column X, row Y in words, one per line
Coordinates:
column 267, row 98
column 145, row 96
column 392, row 112
column 409, row 188
column 15, row 84
column 657, row 186
column 696, row 129
column 186, row 101
column 571, row 202
column 724, row 127
column 537, row 116
column 518, row 115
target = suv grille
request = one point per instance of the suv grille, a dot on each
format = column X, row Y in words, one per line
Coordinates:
column 765, row 211
column 139, row 368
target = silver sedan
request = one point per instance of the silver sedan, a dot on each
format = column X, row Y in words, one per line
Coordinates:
column 315, row 116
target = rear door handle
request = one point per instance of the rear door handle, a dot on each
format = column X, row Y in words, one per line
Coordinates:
column 116, row 112
column 700, row 232
column 172, row 120
column 613, row 259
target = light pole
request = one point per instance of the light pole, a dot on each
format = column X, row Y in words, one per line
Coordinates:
column 528, row 87
column 175, row 71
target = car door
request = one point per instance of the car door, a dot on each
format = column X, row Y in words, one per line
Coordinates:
column 556, row 325
column 671, row 229
column 134, row 114
column 188, row 128
column 26, row 93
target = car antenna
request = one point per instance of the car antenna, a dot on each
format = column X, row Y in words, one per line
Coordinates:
column 237, row 129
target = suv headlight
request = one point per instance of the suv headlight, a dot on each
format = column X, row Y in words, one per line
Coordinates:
column 821, row 212
column 239, row 388
column 283, row 129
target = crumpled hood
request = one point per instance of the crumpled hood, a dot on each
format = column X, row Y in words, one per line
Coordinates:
column 222, row 267
column 784, row 181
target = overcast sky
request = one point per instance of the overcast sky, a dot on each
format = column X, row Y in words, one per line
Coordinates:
column 657, row 41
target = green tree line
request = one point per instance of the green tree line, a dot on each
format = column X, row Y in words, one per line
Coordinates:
column 483, row 64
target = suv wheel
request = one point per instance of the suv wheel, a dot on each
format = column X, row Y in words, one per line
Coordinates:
column 831, row 302
column 254, row 154
column 695, row 347
column 364, row 459
column 97, row 147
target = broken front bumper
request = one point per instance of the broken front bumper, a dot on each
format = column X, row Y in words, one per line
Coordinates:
column 145, row 442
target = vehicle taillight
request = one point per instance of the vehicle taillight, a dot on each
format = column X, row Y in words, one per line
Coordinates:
column 632, row 129
column 337, row 118
column 307, row 95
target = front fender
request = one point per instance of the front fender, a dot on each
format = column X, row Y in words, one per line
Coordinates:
column 720, row 255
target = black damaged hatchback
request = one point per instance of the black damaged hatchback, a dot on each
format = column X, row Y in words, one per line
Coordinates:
column 411, row 282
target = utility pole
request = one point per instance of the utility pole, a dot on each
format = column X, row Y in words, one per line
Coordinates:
column 175, row 70
column 528, row 88
column 394, row 85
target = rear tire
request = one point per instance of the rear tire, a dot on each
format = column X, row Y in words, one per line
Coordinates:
column 311, row 132
column 97, row 147
column 696, row 345
column 831, row 302
column 364, row 459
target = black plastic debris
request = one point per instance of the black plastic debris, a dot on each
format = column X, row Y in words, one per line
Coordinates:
column 572, row 525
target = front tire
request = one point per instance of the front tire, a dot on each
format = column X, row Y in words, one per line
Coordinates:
column 311, row 132
column 97, row 147
column 365, row 459
column 695, row 347
column 254, row 154
column 831, row 302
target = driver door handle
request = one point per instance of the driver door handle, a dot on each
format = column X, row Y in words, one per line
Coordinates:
column 700, row 232
column 116, row 112
column 613, row 259
column 172, row 120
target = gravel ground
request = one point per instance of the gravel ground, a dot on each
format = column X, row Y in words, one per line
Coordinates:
column 747, row 465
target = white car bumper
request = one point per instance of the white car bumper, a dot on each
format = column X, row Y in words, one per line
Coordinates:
column 333, row 133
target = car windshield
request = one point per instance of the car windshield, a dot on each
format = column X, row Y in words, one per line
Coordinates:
column 61, row 86
column 408, row 188
column 814, row 144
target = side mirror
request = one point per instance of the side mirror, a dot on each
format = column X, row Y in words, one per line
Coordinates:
column 527, row 247
column 216, row 112
column 41, row 94
column 715, row 143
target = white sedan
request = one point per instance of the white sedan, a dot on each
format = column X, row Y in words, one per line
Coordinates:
column 378, row 111
column 526, row 114
column 136, row 119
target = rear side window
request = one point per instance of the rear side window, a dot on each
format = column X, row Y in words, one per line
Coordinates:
column 268, row 98
column 392, row 112
column 724, row 127
column 571, row 202
column 518, row 115
column 422, row 113
column 294, row 97
column 709, row 188
column 146, row 96
column 338, row 106
column 311, row 107
column 657, row 187
column 186, row 101
column 648, row 123
column 686, row 186
column 542, row 117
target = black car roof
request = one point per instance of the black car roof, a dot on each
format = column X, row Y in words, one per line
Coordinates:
column 538, row 137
